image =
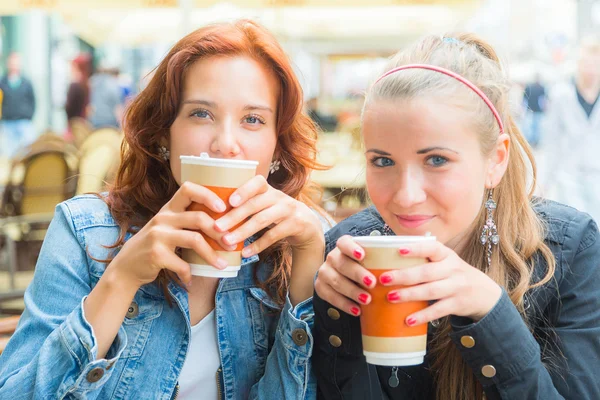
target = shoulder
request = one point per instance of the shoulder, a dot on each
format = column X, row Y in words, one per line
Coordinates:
column 87, row 211
column 359, row 224
column 572, row 236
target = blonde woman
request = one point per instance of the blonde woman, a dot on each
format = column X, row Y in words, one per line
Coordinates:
column 513, row 282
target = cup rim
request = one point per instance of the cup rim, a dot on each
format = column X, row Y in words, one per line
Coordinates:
column 390, row 241
column 218, row 162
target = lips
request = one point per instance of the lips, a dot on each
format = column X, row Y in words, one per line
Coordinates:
column 413, row 221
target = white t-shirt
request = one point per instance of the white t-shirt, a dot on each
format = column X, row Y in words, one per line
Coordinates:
column 198, row 377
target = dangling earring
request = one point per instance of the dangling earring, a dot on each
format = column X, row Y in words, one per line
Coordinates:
column 489, row 234
column 274, row 166
column 164, row 153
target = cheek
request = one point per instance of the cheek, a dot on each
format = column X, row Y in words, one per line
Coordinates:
column 380, row 191
column 260, row 149
column 459, row 195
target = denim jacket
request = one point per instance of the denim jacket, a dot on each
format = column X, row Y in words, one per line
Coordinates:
column 265, row 350
column 558, row 358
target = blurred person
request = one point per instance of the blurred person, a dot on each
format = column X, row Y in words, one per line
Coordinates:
column 571, row 137
column 535, row 100
column 18, row 107
column 78, row 94
column 512, row 286
column 106, row 107
column 114, row 312
column 327, row 123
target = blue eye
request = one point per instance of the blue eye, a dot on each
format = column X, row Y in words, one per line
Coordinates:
column 202, row 114
column 382, row 162
column 437, row 161
column 254, row 120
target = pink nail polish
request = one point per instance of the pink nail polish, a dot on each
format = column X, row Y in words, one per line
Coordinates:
column 411, row 321
column 368, row 281
column 393, row 296
column 404, row 251
column 363, row 298
column 385, row 279
column 355, row 310
column 357, row 254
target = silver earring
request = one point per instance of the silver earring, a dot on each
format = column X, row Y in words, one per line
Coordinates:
column 274, row 166
column 489, row 234
column 164, row 153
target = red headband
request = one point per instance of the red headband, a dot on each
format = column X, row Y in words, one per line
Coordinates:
column 455, row 76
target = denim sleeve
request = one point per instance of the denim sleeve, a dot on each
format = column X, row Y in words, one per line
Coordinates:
column 53, row 352
column 288, row 372
column 503, row 341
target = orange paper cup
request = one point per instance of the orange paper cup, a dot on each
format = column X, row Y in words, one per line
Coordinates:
column 386, row 338
column 223, row 177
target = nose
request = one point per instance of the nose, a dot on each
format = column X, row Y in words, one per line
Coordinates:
column 409, row 189
column 225, row 143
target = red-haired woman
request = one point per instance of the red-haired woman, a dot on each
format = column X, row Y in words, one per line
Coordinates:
column 140, row 326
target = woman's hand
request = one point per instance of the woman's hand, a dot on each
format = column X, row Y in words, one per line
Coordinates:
column 342, row 280
column 261, row 206
column 153, row 248
column 459, row 288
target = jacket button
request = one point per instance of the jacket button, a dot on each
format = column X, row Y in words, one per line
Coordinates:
column 95, row 375
column 333, row 314
column 335, row 341
column 488, row 371
column 300, row 337
column 375, row 233
column 133, row 310
column 467, row 341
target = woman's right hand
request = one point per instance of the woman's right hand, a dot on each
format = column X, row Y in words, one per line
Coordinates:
column 342, row 280
column 152, row 249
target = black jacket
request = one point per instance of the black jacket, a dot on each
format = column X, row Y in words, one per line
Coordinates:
column 17, row 103
column 564, row 315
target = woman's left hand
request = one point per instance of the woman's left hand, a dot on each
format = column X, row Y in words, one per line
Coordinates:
column 459, row 288
column 262, row 206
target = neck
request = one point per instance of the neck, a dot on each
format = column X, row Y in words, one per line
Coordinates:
column 590, row 87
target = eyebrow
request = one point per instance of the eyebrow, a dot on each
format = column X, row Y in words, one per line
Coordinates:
column 380, row 152
column 422, row 151
column 430, row 149
column 201, row 102
column 212, row 104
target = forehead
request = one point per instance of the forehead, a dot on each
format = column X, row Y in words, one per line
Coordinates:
column 220, row 72
column 420, row 120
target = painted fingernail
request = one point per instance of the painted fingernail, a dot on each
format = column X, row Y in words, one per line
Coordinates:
column 235, row 199
column 355, row 310
column 247, row 252
column 411, row 321
column 357, row 254
column 385, row 279
column 368, row 281
column 221, row 263
column 404, row 251
column 363, row 298
column 393, row 296
column 220, row 206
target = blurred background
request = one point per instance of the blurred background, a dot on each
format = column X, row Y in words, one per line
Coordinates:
column 70, row 67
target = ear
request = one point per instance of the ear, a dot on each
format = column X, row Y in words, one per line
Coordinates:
column 498, row 161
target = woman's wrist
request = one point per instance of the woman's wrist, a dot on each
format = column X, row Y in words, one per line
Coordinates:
column 305, row 264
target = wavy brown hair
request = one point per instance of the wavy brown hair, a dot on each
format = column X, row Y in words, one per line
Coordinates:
column 144, row 182
column 522, row 232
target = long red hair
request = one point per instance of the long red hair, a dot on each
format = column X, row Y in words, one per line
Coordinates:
column 144, row 182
